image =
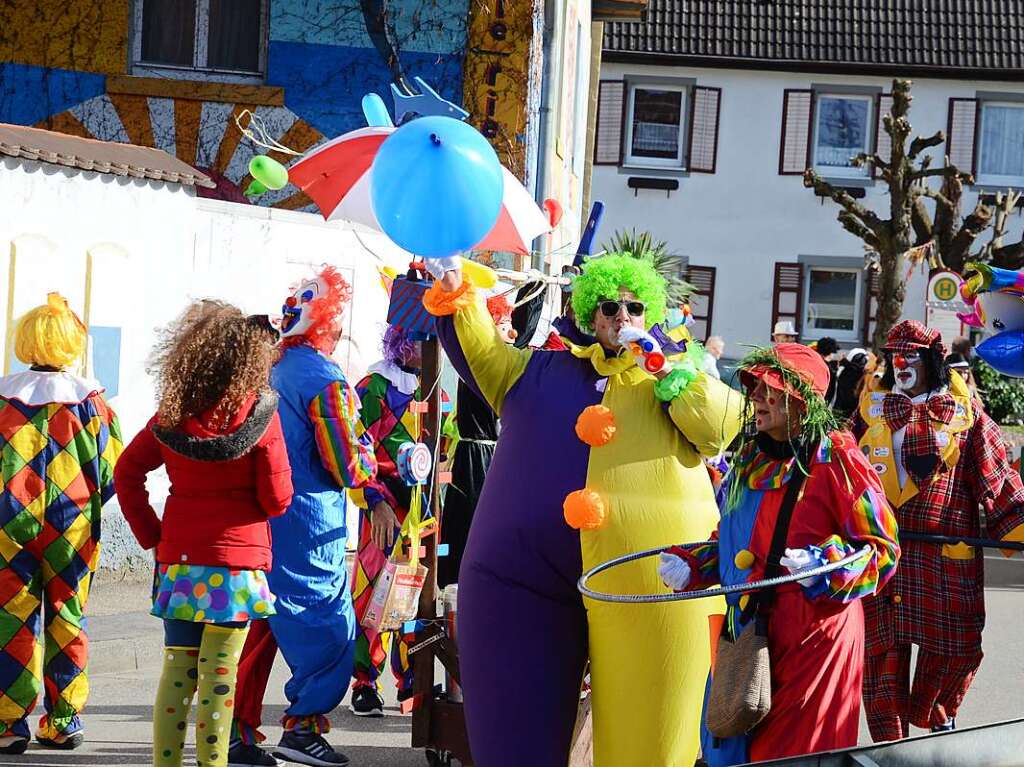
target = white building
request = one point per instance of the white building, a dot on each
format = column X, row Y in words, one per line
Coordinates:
column 119, row 231
column 709, row 113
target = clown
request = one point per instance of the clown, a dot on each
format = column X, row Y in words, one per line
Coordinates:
column 599, row 456
column 319, row 413
column 940, row 458
column 60, row 441
column 815, row 628
column 386, row 423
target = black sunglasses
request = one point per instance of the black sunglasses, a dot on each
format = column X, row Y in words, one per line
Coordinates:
column 611, row 308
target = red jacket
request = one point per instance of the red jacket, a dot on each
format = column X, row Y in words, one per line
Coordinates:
column 225, row 484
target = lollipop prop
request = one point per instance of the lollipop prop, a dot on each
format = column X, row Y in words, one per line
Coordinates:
column 738, row 588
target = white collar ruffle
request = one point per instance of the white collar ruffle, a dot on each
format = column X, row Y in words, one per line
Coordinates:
column 407, row 383
column 41, row 387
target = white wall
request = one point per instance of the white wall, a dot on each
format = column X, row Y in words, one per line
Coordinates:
column 154, row 248
column 746, row 217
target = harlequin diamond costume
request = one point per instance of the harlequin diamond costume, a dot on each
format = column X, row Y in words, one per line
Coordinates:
column 59, row 441
column 815, row 627
column 314, row 626
column 588, row 438
column 386, row 422
column 940, row 459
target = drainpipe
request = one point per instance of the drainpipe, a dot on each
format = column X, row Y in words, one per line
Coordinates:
column 545, row 21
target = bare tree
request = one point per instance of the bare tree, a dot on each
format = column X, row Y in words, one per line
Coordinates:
column 907, row 173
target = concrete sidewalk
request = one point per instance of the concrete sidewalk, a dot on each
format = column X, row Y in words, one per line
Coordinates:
column 126, row 656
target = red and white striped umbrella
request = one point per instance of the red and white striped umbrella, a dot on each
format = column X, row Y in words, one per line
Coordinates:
column 336, row 176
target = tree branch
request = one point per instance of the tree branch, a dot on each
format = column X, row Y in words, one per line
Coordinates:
column 921, row 220
column 919, row 144
column 939, row 197
column 944, row 172
column 869, row 218
column 857, row 228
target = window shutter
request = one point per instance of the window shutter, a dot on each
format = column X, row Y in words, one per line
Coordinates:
column 611, row 104
column 788, row 293
column 872, row 279
column 795, row 146
column 883, row 141
column 702, row 300
column 960, row 141
column 704, row 108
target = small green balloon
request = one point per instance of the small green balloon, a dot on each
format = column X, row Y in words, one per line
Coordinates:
column 268, row 171
column 254, row 189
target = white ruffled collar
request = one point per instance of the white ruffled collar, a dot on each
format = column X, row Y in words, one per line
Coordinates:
column 41, row 387
column 407, row 383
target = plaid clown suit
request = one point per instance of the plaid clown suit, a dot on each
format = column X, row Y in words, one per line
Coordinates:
column 936, row 598
column 56, row 464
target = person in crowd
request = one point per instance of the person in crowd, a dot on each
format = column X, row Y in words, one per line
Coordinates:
column 715, row 348
column 60, row 443
column 387, row 421
column 828, row 348
column 218, row 433
column 585, row 433
column 319, row 415
column 941, row 460
column 784, row 332
column 815, row 627
column 964, row 347
column 961, row 366
column 853, row 372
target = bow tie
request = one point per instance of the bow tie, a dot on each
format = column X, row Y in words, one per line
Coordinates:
column 898, row 410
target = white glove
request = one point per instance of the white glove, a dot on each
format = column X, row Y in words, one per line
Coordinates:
column 674, row 571
column 650, row 358
column 798, row 560
column 438, row 267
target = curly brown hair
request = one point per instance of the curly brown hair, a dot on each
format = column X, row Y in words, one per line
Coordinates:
column 210, row 358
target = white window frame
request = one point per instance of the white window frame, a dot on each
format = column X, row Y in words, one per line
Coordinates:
column 832, row 171
column 992, row 178
column 198, row 70
column 679, row 162
column 812, row 333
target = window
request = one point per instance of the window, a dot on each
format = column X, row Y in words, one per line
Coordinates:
column 225, row 39
column 654, row 125
column 832, row 303
column 1001, row 149
column 842, row 131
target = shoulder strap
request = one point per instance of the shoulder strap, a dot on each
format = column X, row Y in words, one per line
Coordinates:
column 778, row 545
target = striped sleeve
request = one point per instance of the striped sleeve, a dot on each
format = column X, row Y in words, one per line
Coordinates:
column 703, row 562
column 347, row 457
column 870, row 522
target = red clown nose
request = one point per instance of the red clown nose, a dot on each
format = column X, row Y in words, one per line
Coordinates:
column 899, row 361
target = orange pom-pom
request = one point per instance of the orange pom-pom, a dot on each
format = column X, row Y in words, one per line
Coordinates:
column 596, row 425
column 584, row 510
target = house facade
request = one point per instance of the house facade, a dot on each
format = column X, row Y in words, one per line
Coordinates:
column 708, row 117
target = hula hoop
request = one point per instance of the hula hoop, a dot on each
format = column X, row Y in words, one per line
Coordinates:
column 737, row 588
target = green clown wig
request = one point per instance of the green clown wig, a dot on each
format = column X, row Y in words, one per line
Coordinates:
column 604, row 277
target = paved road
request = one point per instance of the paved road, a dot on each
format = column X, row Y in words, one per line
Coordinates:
column 126, row 656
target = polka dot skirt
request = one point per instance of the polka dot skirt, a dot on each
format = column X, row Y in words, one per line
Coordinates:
column 204, row 594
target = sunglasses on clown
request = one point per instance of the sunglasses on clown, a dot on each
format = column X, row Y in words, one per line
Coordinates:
column 611, row 308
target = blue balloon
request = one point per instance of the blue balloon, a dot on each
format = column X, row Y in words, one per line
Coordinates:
column 436, row 187
column 1004, row 352
column 375, row 112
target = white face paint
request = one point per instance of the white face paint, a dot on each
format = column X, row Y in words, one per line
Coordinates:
column 905, row 380
column 297, row 319
column 907, row 369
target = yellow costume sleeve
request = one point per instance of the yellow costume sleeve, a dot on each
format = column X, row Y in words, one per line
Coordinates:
column 708, row 413
column 471, row 341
